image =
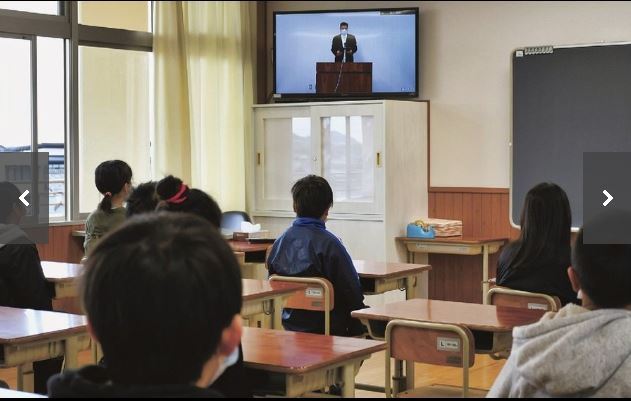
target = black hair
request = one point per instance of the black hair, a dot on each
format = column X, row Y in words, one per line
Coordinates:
column 343, row 23
column 143, row 199
column 9, row 197
column 110, row 177
column 191, row 200
column 312, row 196
column 604, row 270
column 546, row 223
column 158, row 292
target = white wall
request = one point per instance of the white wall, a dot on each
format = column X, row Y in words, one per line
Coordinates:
column 465, row 70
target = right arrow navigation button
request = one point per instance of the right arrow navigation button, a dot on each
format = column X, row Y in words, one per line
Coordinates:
column 609, row 197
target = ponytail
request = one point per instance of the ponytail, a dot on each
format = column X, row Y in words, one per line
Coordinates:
column 106, row 203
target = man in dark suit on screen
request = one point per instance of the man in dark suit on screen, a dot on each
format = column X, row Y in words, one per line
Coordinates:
column 343, row 45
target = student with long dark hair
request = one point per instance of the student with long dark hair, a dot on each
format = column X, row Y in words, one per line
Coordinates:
column 538, row 260
column 113, row 180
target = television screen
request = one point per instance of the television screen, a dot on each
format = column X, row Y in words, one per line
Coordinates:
column 346, row 53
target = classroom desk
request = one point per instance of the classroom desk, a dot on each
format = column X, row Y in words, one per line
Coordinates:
column 496, row 321
column 457, row 246
column 4, row 393
column 259, row 296
column 379, row 277
column 27, row 336
column 78, row 233
column 262, row 296
column 64, row 276
column 307, row 362
column 254, row 253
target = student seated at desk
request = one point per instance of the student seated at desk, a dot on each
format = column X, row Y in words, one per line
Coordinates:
column 177, row 197
column 579, row 351
column 162, row 295
column 538, row 260
column 307, row 249
column 22, row 281
column 113, row 180
column 143, row 199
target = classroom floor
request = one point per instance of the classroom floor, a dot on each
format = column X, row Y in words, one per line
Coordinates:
column 481, row 375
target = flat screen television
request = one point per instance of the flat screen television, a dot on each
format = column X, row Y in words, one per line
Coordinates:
column 376, row 57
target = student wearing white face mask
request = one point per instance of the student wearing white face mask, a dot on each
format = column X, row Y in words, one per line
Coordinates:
column 162, row 295
column 344, row 44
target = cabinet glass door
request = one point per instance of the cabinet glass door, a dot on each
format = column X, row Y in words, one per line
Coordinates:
column 284, row 155
column 351, row 157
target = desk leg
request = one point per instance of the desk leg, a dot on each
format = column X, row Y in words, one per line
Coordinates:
column 71, row 353
column 485, row 272
column 409, row 375
column 25, row 378
column 348, row 374
column 277, row 308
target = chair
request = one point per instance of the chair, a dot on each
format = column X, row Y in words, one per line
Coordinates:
column 232, row 220
column 435, row 344
column 319, row 296
column 502, row 296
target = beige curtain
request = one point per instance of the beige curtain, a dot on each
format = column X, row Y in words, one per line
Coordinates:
column 204, row 54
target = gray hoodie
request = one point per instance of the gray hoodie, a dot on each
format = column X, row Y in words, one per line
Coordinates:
column 572, row 353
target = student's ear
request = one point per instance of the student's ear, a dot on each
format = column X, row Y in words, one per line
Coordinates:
column 325, row 216
column 576, row 284
column 231, row 337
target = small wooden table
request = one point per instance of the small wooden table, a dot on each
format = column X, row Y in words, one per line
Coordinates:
column 457, row 246
column 27, row 336
column 262, row 296
column 4, row 393
column 498, row 321
column 379, row 277
column 307, row 362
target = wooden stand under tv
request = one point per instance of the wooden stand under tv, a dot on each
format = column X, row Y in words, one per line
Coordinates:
column 355, row 78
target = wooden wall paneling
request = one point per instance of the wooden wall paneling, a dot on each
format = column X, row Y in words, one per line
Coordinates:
column 484, row 212
column 62, row 246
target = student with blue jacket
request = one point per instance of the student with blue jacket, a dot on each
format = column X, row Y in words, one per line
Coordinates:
column 307, row 249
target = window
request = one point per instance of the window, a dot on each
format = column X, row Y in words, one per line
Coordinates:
column 113, row 115
column 40, row 7
column 51, row 112
column 130, row 15
column 99, row 112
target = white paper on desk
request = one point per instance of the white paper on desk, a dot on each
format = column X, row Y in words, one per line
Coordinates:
column 247, row 227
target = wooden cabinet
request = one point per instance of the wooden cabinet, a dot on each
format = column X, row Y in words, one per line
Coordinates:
column 373, row 153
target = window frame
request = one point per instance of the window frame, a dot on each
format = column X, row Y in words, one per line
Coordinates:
column 28, row 25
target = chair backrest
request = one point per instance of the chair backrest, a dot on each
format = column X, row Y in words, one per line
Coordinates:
column 319, row 296
column 431, row 343
column 502, row 296
column 232, row 220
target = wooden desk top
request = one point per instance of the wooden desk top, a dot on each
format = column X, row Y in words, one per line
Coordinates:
column 298, row 353
column 58, row 271
column 368, row 269
column 244, row 246
column 18, row 326
column 477, row 317
column 455, row 240
column 4, row 393
column 78, row 233
column 254, row 289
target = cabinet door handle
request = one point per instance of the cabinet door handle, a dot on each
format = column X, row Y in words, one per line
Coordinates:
column 258, row 158
column 378, row 159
